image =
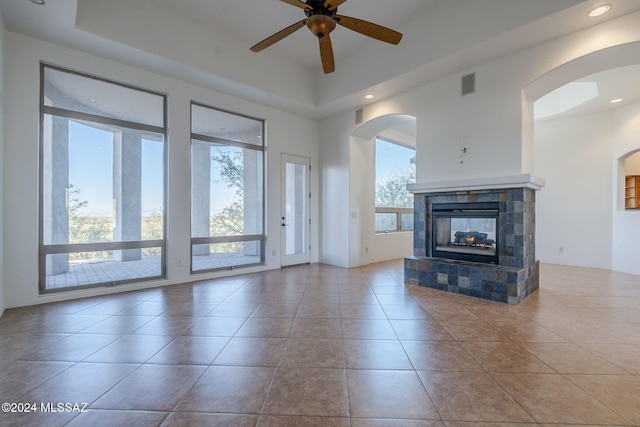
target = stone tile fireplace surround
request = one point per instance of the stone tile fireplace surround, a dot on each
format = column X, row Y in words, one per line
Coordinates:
column 515, row 275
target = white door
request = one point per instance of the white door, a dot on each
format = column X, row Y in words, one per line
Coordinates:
column 295, row 221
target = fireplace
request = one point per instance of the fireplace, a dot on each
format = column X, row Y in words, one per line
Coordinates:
column 466, row 231
column 476, row 237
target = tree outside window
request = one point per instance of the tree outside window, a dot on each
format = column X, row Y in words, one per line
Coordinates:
column 395, row 168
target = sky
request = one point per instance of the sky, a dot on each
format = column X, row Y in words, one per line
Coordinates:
column 91, row 171
column 390, row 158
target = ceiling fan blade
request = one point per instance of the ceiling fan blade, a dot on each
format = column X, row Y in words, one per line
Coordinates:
column 278, row 36
column 332, row 4
column 369, row 29
column 298, row 3
column 326, row 54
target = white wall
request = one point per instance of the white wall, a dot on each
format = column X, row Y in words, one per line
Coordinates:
column 632, row 164
column 286, row 133
column 360, row 181
column 334, row 187
column 574, row 210
column 488, row 122
column 2, row 301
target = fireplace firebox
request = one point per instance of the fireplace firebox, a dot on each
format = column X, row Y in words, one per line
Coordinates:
column 466, row 231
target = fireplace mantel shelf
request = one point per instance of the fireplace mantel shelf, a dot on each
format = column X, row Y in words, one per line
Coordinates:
column 499, row 182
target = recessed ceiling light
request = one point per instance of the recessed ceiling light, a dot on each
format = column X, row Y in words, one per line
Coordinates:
column 369, row 96
column 599, row 10
column 38, row 2
column 615, row 101
column 93, row 101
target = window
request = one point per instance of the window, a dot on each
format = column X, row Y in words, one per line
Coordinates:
column 227, row 190
column 395, row 168
column 102, row 169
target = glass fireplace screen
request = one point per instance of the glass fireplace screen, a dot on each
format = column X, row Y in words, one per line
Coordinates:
column 466, row 232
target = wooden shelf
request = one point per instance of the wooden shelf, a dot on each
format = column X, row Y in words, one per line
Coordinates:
column 632, row 192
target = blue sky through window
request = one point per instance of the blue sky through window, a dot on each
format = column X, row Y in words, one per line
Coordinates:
column 391, row 158
column 91, row 170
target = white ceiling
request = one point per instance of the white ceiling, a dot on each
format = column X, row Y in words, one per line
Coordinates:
column 207, row 42
column 251, row 21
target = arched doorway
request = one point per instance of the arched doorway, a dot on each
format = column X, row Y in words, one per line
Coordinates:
column 580, row 216
column 366, row 245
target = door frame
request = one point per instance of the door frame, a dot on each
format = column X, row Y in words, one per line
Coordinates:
column 305, row 257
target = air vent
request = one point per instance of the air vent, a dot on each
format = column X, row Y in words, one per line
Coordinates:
column 359, row 116
column 469, row 83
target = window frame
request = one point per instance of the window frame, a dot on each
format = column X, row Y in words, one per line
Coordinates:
column 399, row 212
column 262, row 238
column 71, row 248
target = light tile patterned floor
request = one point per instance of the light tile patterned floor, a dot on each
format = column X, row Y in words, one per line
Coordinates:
column 110, row 270
column 324, row 346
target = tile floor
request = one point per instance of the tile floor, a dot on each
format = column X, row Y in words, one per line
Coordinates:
column 324, row 346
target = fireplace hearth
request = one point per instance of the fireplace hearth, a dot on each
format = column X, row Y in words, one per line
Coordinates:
column 476, row 241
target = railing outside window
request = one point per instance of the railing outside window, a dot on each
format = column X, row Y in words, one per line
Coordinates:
column 389, row 220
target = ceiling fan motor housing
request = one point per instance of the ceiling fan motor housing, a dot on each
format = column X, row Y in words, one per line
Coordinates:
column 321, row 25
column 318, row 6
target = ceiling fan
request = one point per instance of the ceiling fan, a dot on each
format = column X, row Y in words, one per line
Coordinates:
column 322, row 17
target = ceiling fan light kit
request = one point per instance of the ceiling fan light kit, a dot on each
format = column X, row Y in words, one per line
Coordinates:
column 321, row 25
column 322, row 18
